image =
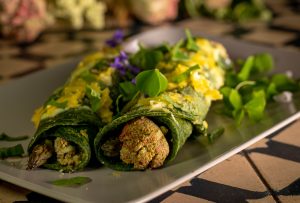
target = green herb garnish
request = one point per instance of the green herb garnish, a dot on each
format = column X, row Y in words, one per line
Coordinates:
column 72, row 182
column 94, row 98
column 5, row 137
column 247, row 91
column 128, row 90
column 190, row 44
column 214, row 134
column 185, row 75
column 16, row 150
column 177, row 54
column 151, row 82
column 146, row 58
column 60, row 105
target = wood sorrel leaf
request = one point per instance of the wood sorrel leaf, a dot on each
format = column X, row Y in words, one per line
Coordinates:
column 177, row 54
column 214, row 134
column 71, row 182
column 191, row 44
column 128, row 90
column 5, row 137
column 256, row 106
column 16, row 150
column 246, row 69
column 146, row 58
column 60, row 105
column 263, row 62
column 183, row 76
column 151, row 82
column 94, row 98
column 235, row 99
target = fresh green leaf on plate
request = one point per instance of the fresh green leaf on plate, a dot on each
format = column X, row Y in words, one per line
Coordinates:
column 263, row 62
column 94, row 98
column 151, row 82
column 190, row 44
column 16, row 150
column 185, row 75
column 246, row 69
column 5, row 137
column 72, row 182
column 256, row 106
column 146, row 58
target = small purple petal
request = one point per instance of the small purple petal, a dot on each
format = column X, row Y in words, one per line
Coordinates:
column 134, row 69
column 118, row 35
column 116, row 39
column 133, row 81
column 123, row 56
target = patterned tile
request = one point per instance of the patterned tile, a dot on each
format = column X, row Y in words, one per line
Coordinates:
column 57, row 49
column 232, row 180
column 288, row 21
column 278, row 161
column 236, row 172
column 270, row 37
column 50, row 63
column 53, row 37
column 11, row 193
column 290, row 137
column 207, row 26
column 9, row 51
column 180, row 197
column 94, row 36
column 14, row 67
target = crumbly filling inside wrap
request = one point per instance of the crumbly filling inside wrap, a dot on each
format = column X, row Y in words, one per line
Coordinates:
column 64, row 152
column 141, row 143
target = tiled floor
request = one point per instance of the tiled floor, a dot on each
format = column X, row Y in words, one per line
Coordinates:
column 268, row 171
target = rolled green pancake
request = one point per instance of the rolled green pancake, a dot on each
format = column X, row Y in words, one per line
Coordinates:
column 152, row 130
column 174, row 122
column 68, row 122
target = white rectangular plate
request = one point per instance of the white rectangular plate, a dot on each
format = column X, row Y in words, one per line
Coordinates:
column 20, row 97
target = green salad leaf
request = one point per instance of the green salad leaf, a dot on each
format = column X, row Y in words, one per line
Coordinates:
column 72, row 182
column 185, row 75
column 191, row 44
column 263, row 63
column 94, row 98
column 5, row 137
column 246, row 69
column 215, row 133
column 60, row 105
column 177, row 54
column 247, row 91
column 146, row 58
column 16, row 150
column 151, row 82
column 128, row 90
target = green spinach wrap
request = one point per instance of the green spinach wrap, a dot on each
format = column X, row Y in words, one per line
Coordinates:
column 151, row 130
column 68, row 122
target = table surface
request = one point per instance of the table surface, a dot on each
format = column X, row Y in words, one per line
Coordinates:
column 268, row 171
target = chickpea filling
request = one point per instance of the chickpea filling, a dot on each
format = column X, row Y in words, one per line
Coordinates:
column 65, row 152
column 141, row 143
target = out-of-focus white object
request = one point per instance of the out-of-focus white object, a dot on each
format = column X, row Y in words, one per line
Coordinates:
column 284, row 97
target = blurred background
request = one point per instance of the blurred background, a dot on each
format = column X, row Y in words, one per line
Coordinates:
column 25, row 20
column 32, row 30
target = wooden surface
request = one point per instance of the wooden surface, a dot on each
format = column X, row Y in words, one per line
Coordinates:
column 268, row 171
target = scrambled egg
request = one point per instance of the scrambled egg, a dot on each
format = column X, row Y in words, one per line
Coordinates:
column 201, row 79
column 74, row 91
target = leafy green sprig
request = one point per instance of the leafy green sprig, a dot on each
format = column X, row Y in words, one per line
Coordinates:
column 247, row 91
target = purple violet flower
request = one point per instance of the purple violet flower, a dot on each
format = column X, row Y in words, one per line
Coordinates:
column 116, row 39
column 122, row 64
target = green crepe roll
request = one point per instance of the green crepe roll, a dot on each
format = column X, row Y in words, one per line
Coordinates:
column 68, row 122
column 151, row 130
column 175, row 123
